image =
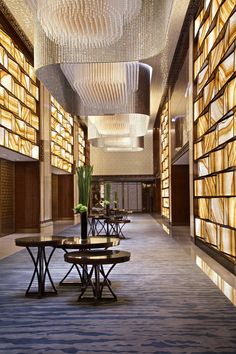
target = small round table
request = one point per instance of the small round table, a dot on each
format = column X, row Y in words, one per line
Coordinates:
column 40, row 261
column 97, row 259
column 91, row 242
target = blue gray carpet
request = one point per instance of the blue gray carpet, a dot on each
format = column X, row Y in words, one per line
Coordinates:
column 166, row 304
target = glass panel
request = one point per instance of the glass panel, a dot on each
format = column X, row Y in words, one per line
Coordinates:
column 210, row 141
column 231, row 95
column 216, row 55
column 6, row 119
column 217, row 161
column 226, row 69
column 226, row 130
column 203, row 208
column 20, row 128
column 210, row 186
column 198, row 149
column 2, row 136
column 202, row 79
column 230, row 155
column 199, row 187
column 203, row 167
column 217, row 210
column 232, row 212
column 198, row 227
column 211, row 233
column 216, row 110
column 227, row 240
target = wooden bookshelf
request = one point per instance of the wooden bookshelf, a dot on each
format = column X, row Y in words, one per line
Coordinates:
column 19, row 96
column 61, row 137
column 165, row 167
column 215, row 126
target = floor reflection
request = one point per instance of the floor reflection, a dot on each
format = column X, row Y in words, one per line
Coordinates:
column 219, row 275
column 227, row 289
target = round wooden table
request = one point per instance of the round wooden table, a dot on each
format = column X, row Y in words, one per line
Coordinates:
column 97, row 259
column 40, row 261
column 92, row 242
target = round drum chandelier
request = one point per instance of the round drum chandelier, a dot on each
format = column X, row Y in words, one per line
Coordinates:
column 118, row 125
column 119, row 144
column 86, row 23
column 98, row 31
column 103, row 87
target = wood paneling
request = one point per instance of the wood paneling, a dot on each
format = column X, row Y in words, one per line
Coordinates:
column 65, row 196
column 55, row 197
column 27, row 198
column 157, row 196
column 180, row 195
column 7, row 198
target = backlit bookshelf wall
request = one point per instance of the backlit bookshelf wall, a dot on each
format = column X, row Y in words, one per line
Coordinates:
column 164, row 140
column 61, row 137
column 215, row 126
column 81, row 146
column 19, row 94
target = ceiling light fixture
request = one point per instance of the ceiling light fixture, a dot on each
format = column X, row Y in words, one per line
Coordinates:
column 86, row 23
column 86, row 31
column 119, row 144
column 104, row 87
column 119, row 125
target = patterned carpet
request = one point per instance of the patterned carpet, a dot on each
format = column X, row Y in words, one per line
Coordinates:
column 166, row 304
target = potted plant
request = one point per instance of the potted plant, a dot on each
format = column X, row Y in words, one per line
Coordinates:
column 107, row 194
column 116, row 200
column 84, row 174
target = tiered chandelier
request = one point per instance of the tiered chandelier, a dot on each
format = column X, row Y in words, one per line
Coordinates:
column 86, row 23
column 88, row 52
column 119, row 125
column 120, row 144
column 104, row 87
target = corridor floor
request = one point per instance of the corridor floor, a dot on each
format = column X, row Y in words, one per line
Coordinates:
column 168, row 301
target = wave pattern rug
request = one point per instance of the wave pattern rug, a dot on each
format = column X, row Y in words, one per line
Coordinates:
column 166, row 304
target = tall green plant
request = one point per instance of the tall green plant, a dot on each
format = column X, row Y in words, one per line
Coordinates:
column 107, row 192
column 84, row 174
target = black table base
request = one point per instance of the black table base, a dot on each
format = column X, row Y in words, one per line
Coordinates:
column 40, row 273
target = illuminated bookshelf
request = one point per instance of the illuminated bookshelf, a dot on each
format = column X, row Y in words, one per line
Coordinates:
column 61, row 137
column 164, row 139
column 19, row 96
column 81, row 146
column 215, row 126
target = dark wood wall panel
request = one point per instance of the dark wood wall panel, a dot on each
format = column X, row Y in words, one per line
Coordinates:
column 7, row 197
column 55, row 197
column 65, row 196
column 157, row 197
column 180, row 195
column 27, row 196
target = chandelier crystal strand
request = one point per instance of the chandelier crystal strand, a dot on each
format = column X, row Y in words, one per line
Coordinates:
column 86, row 23
column 123, row 125
column 103, row 85
column 120, row 30
column 119, row 144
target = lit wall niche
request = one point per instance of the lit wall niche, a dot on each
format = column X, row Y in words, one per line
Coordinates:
column 61, row 137
column 215, row 126
column 164, row 139
column 81, row 146
column 19, row 95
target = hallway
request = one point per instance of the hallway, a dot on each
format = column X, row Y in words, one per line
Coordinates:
column 166, row 304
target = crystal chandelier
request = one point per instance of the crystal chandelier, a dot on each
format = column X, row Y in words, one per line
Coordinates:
column 119, row 144
column 98, row 31
column 119, row 125
column 103, row 86
column 86, row 23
